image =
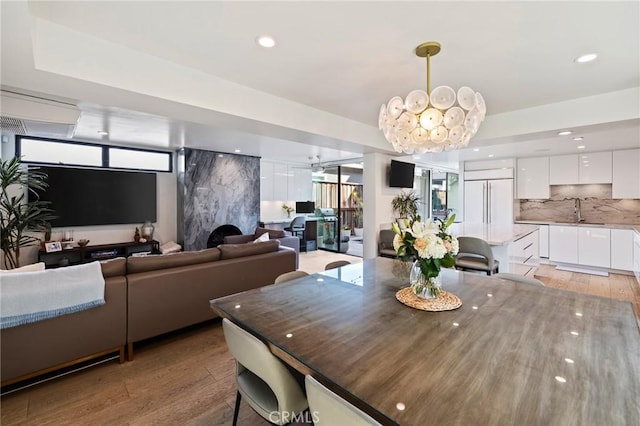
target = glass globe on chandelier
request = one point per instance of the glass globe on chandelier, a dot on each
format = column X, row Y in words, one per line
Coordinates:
column 432, row 121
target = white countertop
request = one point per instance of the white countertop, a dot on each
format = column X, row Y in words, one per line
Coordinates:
column 635, row 227
column 495, row 235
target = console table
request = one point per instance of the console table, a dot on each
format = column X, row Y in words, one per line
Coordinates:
column 78, row 255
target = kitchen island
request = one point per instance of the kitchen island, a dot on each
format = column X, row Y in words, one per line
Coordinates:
column 514, row 245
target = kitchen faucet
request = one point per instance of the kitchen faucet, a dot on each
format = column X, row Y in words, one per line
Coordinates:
column 577, row 211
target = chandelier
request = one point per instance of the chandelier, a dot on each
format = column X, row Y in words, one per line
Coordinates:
column 432, row 121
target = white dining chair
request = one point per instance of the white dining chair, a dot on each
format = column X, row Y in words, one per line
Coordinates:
column 288, row 276
column 262, row 379
column 328, row 409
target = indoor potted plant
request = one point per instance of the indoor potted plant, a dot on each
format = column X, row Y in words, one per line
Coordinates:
column 406, row 205
column 18, row 216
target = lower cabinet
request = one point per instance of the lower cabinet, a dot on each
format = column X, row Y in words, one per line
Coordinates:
column 622, row 249
column 524, row 254
column 563, row 244
column 543, row 232
column 594, row 247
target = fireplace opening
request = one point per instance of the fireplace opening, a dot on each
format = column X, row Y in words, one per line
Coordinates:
column 217, row 236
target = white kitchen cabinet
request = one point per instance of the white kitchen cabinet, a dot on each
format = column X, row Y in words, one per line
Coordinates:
column 595, row 167
column 564, row 170
column 524, row 253
column 280, row 182
column 563, row 244
column 622, row 249
column 543, row 237
column 594, row 247
column 626, row 174
column 266, row 181
column 532, row 181
column 300, row 186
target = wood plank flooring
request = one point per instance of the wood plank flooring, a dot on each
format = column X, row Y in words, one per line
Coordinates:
column 187, row 377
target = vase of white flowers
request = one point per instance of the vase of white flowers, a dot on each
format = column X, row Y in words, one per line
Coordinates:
column 430, row 247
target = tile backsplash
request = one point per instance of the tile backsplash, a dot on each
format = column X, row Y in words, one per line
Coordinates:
column 596, row 202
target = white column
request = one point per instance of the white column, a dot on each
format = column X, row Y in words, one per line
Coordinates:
column 377, row 212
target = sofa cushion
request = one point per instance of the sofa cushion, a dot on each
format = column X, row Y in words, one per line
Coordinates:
column 137, row 264
column 114, row 267
column 232, row 251
column 273, row 233
column 238, row 239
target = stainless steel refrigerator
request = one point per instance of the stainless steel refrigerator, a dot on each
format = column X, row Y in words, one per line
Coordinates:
column 488, row 201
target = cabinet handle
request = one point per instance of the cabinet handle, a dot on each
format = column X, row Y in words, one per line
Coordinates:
column 530, row 244
column 528, row 258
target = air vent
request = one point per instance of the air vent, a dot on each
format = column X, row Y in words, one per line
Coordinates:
column 12, row 125
column 35, row 116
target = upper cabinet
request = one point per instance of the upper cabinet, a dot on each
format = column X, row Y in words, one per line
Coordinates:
column 281, row 182
column 626, row 174
column 533, row 178
column 594, row 167
column 563, row 169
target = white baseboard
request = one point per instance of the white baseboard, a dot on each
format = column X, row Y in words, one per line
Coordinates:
column 582, row 269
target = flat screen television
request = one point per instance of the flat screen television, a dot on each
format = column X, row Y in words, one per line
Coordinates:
column 83, row 197
column 305, row 207
column 401, row 174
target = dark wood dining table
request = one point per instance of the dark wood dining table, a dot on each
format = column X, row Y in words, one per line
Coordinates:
column 512, row 354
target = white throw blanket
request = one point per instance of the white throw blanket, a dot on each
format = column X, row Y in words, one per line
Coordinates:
column 33, row 296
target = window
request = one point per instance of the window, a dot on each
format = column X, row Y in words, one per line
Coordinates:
column 135, row 159
column 51, row 151
column 54, row 152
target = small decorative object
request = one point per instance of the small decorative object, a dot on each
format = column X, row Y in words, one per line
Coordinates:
column 142, row 240
column 430, row 248
column 147, row 230
column 83, row 242
column 53, row 246
column 288, row 209
column 136, row 236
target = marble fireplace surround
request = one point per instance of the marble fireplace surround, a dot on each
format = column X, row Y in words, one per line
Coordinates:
column 596, row 201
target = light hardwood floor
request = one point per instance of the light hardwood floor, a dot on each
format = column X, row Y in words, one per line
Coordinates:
column 187, row 377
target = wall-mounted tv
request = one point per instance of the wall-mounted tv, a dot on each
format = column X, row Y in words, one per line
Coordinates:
column 83, row 197
column 401, row 174
column 305, row 207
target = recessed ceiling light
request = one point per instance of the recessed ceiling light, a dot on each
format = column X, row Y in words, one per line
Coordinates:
column 578, row 138
column 586, row 58
column 490, row 155
column 102, row 132
column 476, row 149
column 580, row 146
column 237, row 151
column 565, row 133
column 416, row 157
column 266, row 41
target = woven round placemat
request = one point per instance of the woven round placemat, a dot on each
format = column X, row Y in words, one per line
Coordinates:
column 444, row 302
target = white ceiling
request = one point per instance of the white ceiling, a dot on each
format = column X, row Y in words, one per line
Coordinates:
column 334, row 65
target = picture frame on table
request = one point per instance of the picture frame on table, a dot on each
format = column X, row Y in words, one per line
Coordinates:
column 53, row 246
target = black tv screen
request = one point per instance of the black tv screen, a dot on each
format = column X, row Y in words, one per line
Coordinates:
column 82, row 197
column 305, row 207
column 401, row 174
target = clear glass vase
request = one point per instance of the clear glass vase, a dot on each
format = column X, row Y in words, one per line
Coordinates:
column 426, row 288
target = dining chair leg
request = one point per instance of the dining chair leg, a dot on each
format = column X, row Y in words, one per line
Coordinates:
column 236, row 410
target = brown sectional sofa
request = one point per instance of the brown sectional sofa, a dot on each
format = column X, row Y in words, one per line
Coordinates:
column 274, row 234
column 145, row 297
column 40, row 347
